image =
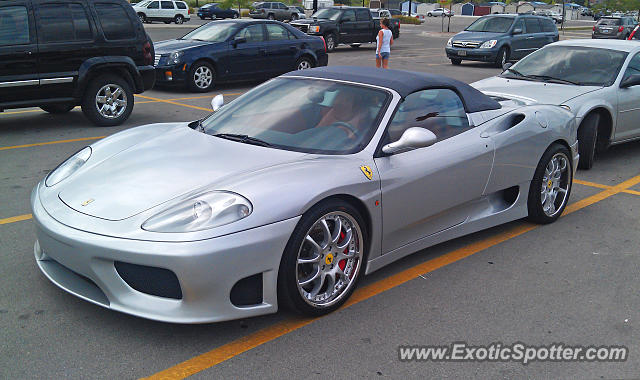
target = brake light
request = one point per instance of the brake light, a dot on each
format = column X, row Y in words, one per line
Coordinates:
column 146, row 51
column 325, row 44
column 594, row 28
column 620, row 29
column 398, row 23
column 189, row 11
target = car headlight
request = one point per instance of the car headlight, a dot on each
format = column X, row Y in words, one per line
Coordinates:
column 68, row 167
column 175, row 57
column 314, row 28
column 201, row 212
column 488, row 44
column 449, row 43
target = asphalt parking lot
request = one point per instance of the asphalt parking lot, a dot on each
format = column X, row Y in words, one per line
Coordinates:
column 575, row 281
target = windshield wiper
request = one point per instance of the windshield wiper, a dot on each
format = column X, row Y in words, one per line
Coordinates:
column 548, row 78
column 515, row 72
column 243, row 139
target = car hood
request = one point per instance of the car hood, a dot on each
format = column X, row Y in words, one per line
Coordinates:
column 476, row 36
column 539, row 92
column 162, row 168
column 169, row 46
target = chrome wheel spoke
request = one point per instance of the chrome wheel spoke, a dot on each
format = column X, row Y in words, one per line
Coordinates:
column 312, row 278
column 326, row 232
column 346, row 240
column 337, row 228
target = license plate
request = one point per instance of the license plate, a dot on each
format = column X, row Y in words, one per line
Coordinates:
column 605, row 30
column 462, row 52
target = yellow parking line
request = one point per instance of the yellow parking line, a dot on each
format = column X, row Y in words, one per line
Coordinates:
column 246, row 343
column 52, row 142
column 189, row 98
column 14, row 219
column 601, row 186
column 176, row 103
column 632, row 192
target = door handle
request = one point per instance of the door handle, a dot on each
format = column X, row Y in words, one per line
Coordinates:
column 530, row 38
column 28, row 52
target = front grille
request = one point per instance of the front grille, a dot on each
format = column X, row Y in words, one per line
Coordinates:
column 466, row 44
column 301, row 27
column 151, row 280
column 156, row 60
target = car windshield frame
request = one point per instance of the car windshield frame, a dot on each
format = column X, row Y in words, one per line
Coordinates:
column 198, row 33
column 520, row 70
column 485, row 20
column 214, row 124
column 334, row 16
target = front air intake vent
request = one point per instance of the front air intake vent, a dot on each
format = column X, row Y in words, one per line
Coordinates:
column 150, row 280
column 247, row 291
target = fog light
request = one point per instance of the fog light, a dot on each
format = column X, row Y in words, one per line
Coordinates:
column 168, row 75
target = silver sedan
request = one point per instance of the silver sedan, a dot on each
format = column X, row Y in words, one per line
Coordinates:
column 292, row 192
column 597, row 80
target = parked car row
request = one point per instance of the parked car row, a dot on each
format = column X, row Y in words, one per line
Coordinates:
column 167, row 11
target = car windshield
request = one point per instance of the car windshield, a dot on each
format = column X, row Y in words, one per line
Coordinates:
column 609, row 21
column 491, row 24
column 304, row 115
column 212, row 32
column 209, row 5
column 585, row 66
column 331, row 14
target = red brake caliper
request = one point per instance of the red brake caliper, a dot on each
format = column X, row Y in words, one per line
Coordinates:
column 343, row 263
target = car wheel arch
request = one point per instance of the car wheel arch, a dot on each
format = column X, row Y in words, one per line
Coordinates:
column 309, row 55
column 605, row 125
column 88, row 73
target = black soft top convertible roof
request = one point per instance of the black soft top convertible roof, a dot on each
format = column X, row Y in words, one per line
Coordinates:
column 404, row 83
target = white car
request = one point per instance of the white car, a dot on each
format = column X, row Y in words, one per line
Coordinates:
column 162, row 10
column 440, row 12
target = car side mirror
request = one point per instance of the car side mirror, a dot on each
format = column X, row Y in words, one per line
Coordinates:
column 632, row 80
column 506, row 66
column 239, row 40
column 517, row 31
column 217, row 102
column 412, row 138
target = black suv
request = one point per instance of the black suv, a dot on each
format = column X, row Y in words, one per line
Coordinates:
column 57, row 54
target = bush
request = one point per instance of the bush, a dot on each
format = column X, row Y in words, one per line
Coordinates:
column 244, row 13
column 407, row 20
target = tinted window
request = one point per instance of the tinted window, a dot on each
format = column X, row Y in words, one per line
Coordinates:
column 80, row 22
column 633, row 68
column 276, row 32
column 491, row 24
column 609, row 21
column 549, row 26
column 532, row 25
column 361, row 15
column 520, row 25
column 14, row 26
column 439, row 110
column 154, row 5
column 183, row 5
column 167, row 5
column 252, row 33
column 63, row 22
column 115, row 21
column 214, row 32
column 349, row 14
column 282, row 6
column 264, row 6
column 375, row 14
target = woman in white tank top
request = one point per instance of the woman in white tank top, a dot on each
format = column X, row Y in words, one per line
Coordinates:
column 384, row 40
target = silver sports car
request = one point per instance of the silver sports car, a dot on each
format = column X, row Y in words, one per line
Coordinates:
column 290, row 193
column 597, row 80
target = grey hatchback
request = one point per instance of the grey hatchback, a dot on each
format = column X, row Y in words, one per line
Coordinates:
column 613, row 27
column 501, row 38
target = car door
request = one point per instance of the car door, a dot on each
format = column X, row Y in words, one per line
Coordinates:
column 519, row 47
column 282, row 49
column 348, row 26
column 363, row 25
column 66, row 39
column 153, row 10
column 248, row 56
column 628, row 125
column 18, row 52
column 168, row 10
column 535, row 36
column 427, row 190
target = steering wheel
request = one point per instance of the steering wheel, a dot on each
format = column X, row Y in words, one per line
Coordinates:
column 346, row 128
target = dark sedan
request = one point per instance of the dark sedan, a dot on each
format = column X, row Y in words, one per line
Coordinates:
column 213, row 11
column 235, row 50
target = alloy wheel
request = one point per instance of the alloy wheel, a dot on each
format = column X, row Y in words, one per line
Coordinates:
column 304, row 64
column 555, row 184
column 203, row 77
column 111, row 101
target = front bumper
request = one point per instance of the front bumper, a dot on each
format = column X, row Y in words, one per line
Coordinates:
column 477, row 54
column 575, row 156
column 148, row 78
column 82, row 263
column 171, row 74
column 603, row 36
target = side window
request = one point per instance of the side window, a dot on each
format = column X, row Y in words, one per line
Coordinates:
column 277, row 32
column 361, row 15
column 266, row 6
column 282, row 6
column 549, row 26
column 154, row 5
column 532, row 25
column 62, row 23
column 520, row 25
column 439, row 110
column 14, row 26
column 167, row 5
column 181, row 5
column 349, row 14
column 252, row 33
column 633, row 68
column 115, row 22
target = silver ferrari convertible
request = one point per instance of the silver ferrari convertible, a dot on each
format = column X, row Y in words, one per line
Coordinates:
column 597, row 80
column 289, row 194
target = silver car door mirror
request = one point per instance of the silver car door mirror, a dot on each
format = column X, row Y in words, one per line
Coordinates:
column 217, row 102
column 517, row 31
column 412, row 138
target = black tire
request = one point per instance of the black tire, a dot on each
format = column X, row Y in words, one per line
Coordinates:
column 235, row 15
column 57, row 108
column 198, row 69
column 202, row 18
column 534, row 206
column 90, row 101
column 167, row 22
column 304, row 63
column 587, row 140
column 142, row 17
column 294, row 17
column 270, row 16
column 502, row 57
column 288, row 294
column 429, row 14
column 331, row 41
column 178, row 20
column 456, row 61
